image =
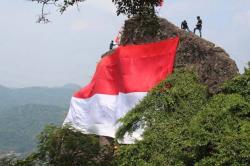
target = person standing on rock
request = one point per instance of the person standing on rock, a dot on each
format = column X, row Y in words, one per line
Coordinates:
column 198, row 25
column 184, row 26
column 112, row 44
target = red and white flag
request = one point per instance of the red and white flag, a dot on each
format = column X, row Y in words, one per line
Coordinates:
column 121, row 80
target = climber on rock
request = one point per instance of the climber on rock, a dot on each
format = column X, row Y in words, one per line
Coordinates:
column 198, row 25
column 184, row 26
column 112, row 44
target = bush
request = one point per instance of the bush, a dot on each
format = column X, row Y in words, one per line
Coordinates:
column 8, row 160
column 166, row 111
column 240, row 84
column 185, row 127
column 64, row 147
column 219, row 134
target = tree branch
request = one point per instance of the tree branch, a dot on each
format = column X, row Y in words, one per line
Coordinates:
column 62, row 5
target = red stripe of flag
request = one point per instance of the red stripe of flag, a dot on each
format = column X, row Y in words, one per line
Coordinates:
column 132, row 68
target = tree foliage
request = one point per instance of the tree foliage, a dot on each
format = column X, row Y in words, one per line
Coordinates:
column 126, row 7
column 185, row 127
column 136, row 7
column 64, row 147
column 165, row 112
column 240, row 84
column 62, row 5
column 142, row 10
column 9, row 160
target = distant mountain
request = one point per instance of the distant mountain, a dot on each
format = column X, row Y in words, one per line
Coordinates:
column 2, row 88
column 20, row 125
column 25, row 111
column 71, row 86
column 59, row 96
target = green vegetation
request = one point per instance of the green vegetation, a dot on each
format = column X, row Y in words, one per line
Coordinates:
column 239, row 85
column 64, row 147
column 183, row 126
column 20, row 125
column 24, row 113
column 126, row 7
column 144, row 10
column 136, row 7
column 166, row 113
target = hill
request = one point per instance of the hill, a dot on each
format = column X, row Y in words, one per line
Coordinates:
column 58, row 96
column 25, row 111
column 20, row 125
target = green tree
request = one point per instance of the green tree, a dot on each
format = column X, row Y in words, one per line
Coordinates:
column 64, row 147
column 240, row 84
column 9, row 160
column 136, row 7
column 183, row 126
column 126, row 7
column 142, row 10
column 166, row 111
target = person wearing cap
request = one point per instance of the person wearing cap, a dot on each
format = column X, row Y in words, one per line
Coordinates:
column 184, row 26
column 198, row 25
column 112, row 44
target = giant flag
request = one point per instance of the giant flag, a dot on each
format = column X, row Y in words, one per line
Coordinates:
column 121, row 80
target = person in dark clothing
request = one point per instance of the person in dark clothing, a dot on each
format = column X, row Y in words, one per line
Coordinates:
column 112, row 44
column 184, row 26
column 198, row 25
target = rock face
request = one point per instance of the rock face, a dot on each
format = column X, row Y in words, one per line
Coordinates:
column 212, row 63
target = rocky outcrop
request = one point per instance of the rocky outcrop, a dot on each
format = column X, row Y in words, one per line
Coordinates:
column 212, row 63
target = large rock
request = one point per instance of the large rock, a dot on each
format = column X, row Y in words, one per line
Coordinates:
column 212, row 63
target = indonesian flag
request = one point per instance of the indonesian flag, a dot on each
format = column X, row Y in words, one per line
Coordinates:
column 120, row 82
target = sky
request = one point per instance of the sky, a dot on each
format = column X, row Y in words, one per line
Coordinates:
column 67, row 49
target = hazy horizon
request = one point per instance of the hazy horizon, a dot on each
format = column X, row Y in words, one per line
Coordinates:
column 42, row 86
column 67, row 49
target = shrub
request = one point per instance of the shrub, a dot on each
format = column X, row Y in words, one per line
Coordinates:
column 165, row 112
column 64, row 147
column 185, row 127
column 240, row 84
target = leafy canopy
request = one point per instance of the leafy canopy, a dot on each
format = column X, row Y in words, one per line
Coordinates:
column 126, row 7
column 186, row 127
column 240, row 84
column 64, row 147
